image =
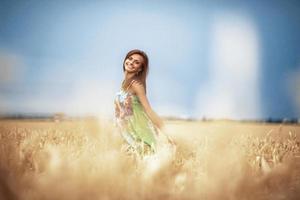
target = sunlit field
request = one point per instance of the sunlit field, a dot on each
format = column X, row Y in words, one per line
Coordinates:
column 85, row 159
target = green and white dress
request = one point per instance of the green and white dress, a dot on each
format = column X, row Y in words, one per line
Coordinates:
column 134, row 124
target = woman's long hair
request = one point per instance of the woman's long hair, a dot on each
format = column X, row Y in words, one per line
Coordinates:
column 145, row 68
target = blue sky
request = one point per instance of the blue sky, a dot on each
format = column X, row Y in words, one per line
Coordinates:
column 218, row 59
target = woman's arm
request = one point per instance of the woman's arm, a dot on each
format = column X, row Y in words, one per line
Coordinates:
column 140, row 92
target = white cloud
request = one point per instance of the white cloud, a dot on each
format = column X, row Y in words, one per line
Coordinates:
column 167, row 94
column 293, row 87
column 11, row 67
column 232, row 90
column 86, row 97
column 94, row 97
column 12, row 70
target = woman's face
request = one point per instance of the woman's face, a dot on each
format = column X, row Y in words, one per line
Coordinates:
column 133, row 63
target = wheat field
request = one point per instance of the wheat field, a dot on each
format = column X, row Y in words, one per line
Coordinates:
column 83, row 159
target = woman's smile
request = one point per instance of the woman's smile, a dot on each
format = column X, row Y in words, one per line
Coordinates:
column 130, row 66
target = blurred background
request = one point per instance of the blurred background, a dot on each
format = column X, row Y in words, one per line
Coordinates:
column 208, row 59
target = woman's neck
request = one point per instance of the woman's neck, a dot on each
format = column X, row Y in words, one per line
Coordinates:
column 128, row 76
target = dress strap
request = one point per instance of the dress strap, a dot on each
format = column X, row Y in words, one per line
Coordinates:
column 129, row 85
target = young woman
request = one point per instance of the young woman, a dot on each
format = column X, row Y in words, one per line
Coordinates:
column 135, row 118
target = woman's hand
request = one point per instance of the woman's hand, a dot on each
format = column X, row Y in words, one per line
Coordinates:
column 162, row 131
column 171, row 141
column 160, row 124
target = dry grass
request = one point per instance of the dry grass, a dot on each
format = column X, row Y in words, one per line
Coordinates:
column 83, row 160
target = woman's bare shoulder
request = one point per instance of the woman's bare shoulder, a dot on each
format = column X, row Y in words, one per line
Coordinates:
column 138, row 86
